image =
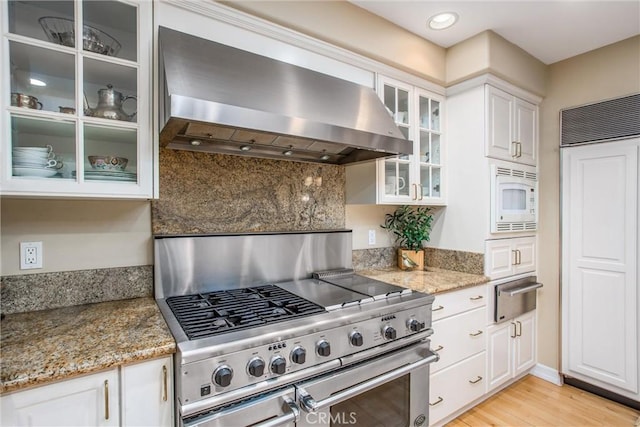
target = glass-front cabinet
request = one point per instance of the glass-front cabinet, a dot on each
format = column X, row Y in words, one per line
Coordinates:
column 418, row 178
column 76, row 90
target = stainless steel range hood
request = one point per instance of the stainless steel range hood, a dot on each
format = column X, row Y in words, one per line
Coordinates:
column 215, row 98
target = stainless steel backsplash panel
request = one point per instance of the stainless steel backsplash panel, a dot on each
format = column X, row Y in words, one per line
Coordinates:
column 191, row 264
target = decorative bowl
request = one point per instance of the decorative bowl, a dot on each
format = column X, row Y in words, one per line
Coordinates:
column 108, row 163
column 62, row 31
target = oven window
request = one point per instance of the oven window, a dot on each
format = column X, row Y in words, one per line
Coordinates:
column 514, row 199
column 386, row 405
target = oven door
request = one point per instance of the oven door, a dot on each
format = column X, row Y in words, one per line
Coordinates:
column 272, row 409
column 390, row 390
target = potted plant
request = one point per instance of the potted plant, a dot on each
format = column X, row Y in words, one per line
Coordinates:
column 411, row 227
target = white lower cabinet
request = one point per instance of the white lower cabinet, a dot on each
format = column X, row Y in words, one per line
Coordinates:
column 459, row 338
column 91, row 400
column 511, row 349
column 134, row 395
column 454, row 387
column 147, row 393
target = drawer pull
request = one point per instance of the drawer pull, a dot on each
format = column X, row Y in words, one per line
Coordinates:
column 164, row 383
column 475, row 334
column 476, row 298
column 476, row 381
column 106, row 399
column 437, row 308
column 438, row 349
column 440, row 400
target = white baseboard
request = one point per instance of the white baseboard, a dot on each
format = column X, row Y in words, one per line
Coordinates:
column 546, row 373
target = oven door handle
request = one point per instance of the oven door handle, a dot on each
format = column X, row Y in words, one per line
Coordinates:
column 309, row 404
column 291, row 417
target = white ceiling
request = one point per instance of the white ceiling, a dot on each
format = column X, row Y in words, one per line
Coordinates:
column 549, row 30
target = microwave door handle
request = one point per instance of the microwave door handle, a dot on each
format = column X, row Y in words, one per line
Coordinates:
column 309, row 404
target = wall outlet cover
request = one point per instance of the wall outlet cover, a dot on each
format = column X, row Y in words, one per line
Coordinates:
column 30, row 255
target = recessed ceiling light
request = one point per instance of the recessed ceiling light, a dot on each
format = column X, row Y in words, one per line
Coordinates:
column 442, row 20
column 37, row 82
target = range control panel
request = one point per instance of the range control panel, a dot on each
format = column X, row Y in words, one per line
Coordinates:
column 207, row 378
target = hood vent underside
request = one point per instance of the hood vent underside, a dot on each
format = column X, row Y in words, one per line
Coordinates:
column 224, row 100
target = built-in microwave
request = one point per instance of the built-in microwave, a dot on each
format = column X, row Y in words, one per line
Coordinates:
column 514, row 199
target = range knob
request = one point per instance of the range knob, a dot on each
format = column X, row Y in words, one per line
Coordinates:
column 414, row 325
column 278, row 365
column 389, row 332
column 222, row 375
column 256, row 367
column 355, row 338
column 324, row 348
column 298, row 355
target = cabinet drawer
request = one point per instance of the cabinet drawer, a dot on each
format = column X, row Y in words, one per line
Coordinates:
column 451, row 303
column 456, row 386
column 458, row 337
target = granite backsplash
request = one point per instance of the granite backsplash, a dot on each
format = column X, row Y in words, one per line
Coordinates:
column 210, row 193
column 32, row 292
column 380, row 258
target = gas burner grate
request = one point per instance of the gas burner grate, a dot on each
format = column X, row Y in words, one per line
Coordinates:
column 207, row 314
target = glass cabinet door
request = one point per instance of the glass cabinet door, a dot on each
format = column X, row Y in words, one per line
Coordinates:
column 430, row 146
column 397, row 171
column 75, row 106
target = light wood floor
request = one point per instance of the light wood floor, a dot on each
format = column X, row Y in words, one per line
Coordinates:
column 535, row 402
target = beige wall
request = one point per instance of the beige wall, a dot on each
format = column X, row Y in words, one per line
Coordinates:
column 489, row 52
column 76, row 234
column 362, row 218
column 601, row 74
column 348, row 26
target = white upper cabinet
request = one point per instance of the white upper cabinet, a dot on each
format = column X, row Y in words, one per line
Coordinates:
column 76, row 116
column 416, row 179
column 512, row 127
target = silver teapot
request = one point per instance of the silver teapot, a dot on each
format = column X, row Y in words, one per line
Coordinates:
column 109, row 105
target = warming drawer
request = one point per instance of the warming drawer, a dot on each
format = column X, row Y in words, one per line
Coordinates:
column 515, row 298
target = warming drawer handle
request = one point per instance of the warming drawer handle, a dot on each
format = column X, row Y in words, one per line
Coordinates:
column 291, row 418
column 524, row 289
column 309, row 404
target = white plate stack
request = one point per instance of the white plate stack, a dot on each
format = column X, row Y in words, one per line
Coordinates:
column 35, row 162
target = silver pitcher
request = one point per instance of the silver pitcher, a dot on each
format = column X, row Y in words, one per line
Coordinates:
column 109, row 105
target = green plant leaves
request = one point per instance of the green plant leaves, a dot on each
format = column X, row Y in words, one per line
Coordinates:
column 411, row 226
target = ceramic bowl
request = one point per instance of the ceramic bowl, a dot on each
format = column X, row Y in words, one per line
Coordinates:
column 108, row 163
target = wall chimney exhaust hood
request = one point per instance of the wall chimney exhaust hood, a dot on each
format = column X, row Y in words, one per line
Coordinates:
column 218, row 99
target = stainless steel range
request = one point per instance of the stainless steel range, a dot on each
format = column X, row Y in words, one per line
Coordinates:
column 276, row 329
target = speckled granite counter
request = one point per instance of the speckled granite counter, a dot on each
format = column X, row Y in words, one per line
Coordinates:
column 432, row 280
column 42, row 346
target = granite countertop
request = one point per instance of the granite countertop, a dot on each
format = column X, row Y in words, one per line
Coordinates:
column 43, row 346
column 431, row 280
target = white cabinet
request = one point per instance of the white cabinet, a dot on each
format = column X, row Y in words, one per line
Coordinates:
column 508, row 257
column 511, row 349
column 456, row 386
column 76, row 116
column 600, row 295
column 91, row 400
column 459, row 324
column 147, row 393
column 134, row 395
column 511, row 126
column 416, row 179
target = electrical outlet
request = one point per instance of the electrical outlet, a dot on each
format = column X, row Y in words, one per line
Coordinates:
column 372, row 237
column 30, row 255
